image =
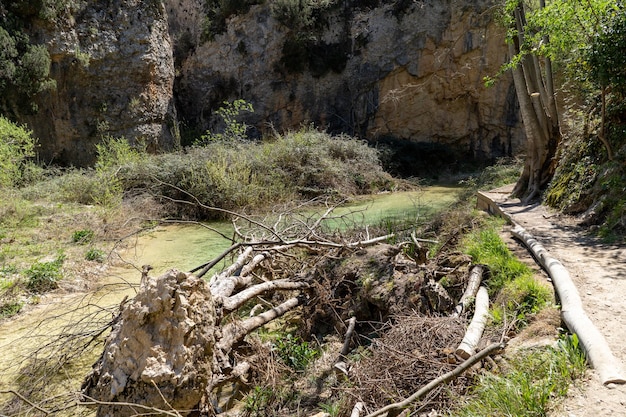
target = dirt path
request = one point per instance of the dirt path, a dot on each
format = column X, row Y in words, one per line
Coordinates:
column 599, row 272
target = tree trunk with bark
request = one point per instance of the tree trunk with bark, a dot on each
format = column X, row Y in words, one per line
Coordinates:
column 534, row 86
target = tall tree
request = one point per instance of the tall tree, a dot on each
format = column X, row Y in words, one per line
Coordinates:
column 534, row 85
column 560, row 32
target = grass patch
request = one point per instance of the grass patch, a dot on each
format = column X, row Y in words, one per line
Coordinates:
column 515, row 293
column 82, row 236
column 96, row 255
column 486, row 247
column 518, row 392
column 519, row 300
column 295, row 352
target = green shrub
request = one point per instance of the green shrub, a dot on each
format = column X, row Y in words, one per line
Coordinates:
column 233, row 130
column 227, row 174
column 10, row 308
column 44, row 276
column 82, row 236
column 296, row 353
column 258, row 400
column 94, row 254
column 17, row 146
column 114, row 155
column 216, row 13
column 299, row 14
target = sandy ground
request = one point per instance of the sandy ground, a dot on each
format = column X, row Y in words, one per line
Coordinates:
column 599, row 272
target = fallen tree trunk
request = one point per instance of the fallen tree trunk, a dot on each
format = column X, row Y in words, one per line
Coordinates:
column 395, row 408
column 476, row 276
column 573, row 314
column 477, row 326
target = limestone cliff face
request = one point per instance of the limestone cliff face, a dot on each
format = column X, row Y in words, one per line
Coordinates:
column 411, row 70
column 414, row 74
column 114, row 70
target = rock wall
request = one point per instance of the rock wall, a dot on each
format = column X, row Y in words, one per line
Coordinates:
column 414, row 74
column 114, row 70
column 410, row 70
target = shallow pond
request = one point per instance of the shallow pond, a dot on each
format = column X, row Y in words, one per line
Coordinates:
column 172, row 246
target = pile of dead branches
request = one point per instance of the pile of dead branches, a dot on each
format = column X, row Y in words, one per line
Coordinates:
column 415, row 350
column 184, row 334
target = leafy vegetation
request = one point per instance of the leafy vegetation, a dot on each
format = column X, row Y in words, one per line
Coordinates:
column 25, row 66
column 96, row 255
column 486, row 247
column 518, row 392
column 233, row 130
column 82, row 236
column 226, row 174
column 516, row 294
column 17, row 147
column 217, row 11
column 44, row 276
column 296, row 353
column 9, row 309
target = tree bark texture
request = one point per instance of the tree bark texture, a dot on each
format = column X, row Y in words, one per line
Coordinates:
column 475, row 278
column 533, row 82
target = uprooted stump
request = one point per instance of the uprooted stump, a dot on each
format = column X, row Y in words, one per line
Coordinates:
column 160, row 348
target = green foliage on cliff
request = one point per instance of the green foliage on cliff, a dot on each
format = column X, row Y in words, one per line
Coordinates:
column 299, row 14
column 24, row 66
column 234, row 130
column 217, row 11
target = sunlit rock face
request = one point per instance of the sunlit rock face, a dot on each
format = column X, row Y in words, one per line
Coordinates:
column 147, row 71
column 413, row 73
column 114, row 70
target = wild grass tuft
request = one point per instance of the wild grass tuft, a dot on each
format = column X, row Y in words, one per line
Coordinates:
column 295, row 352
column 485, row 246
column 519, row 300
column 518, row 392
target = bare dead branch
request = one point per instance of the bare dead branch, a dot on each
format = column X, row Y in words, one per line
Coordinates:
column 346, row 342
column 235, row 331
column 477, row 326
column 476, row 276
column 27, row 401
column 206, row 267
column 153, row 410
column 235, row 301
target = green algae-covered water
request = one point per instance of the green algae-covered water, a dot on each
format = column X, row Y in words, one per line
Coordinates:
column 177, row 246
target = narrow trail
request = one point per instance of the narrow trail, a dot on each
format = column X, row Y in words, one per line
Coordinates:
column 599, row 272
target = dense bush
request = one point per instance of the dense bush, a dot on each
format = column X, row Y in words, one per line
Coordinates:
column 24, row 67
column 299, row 14
column 228, row 174
column 17, row 146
